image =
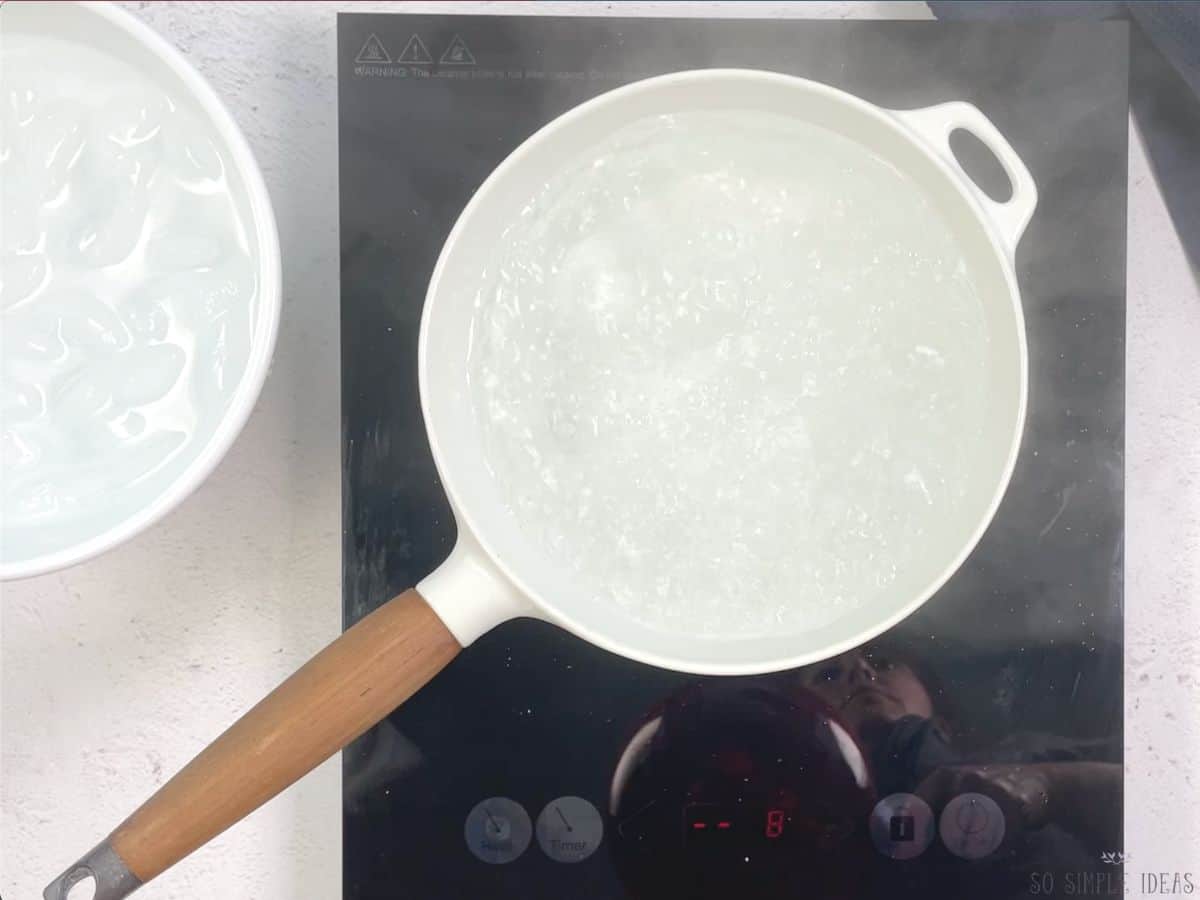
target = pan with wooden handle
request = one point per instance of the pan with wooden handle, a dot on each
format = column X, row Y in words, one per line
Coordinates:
column 494, row 573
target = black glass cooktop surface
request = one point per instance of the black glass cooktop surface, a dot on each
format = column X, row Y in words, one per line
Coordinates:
column 974, row 750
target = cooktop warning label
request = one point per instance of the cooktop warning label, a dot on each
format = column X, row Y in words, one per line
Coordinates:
column 415, row 52
column 457, row 53
column 373, row 51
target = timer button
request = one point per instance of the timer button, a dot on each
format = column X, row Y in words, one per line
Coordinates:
column 569, row 829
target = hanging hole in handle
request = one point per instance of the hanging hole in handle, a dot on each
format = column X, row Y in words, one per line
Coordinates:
column 82, row 886
column 981, row 165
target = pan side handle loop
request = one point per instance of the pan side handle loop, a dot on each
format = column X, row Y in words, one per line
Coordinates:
column 934, row 124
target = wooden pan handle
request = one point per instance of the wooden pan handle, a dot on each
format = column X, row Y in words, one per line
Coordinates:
column 337, row 695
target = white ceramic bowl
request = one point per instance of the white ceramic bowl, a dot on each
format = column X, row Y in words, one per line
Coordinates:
column 66, row 31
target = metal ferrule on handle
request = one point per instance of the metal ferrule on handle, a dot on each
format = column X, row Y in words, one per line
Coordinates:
column 105, row 867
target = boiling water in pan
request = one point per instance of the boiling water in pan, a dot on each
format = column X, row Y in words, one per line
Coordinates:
column 728, row 371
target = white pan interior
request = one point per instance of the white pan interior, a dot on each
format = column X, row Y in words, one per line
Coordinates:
column 455, row 436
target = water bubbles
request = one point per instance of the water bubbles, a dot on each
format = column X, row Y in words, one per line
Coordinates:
column 696, row 386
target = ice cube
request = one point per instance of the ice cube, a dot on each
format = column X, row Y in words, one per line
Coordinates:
column 143, row 375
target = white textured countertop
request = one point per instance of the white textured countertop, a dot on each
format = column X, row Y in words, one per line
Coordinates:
column 113, row 674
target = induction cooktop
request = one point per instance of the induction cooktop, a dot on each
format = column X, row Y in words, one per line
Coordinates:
column 974, row 750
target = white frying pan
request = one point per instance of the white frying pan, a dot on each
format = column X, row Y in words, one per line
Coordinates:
column 493, row 575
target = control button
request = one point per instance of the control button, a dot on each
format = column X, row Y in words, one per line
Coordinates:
column 498, row 830
column 902, row 826
column 569, row 829
column 972, row 826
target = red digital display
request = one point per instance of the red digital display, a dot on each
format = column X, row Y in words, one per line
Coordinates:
column 774, row 823
column 708, row 819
